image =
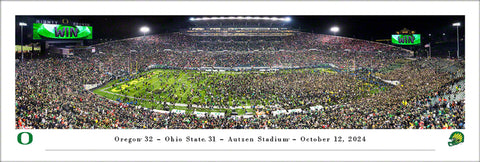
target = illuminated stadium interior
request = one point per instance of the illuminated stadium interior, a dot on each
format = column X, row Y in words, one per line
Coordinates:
column 241, row 72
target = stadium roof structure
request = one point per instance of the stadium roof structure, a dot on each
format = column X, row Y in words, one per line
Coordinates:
column 240, row 21
column 285, row 19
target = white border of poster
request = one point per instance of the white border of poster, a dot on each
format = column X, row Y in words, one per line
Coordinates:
column 310, row 145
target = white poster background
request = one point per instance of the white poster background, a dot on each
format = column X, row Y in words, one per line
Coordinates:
column 99, row 145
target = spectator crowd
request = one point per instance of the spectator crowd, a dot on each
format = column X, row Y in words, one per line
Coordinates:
column 50, row 92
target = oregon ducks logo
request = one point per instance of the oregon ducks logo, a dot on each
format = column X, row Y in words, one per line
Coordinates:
column 30, row 138
column 64, row 21
column 457, row 138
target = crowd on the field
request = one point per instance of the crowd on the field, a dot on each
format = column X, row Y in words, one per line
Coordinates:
column 50, row 92
column 286, row 89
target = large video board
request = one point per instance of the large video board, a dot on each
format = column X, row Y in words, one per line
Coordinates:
column 58, row 31
column 412, row 39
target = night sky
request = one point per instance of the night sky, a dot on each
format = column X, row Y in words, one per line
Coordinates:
column 362, row 27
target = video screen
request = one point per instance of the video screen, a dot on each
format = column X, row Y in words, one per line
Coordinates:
column 55, row 31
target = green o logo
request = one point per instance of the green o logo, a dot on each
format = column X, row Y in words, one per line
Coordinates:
column 30, row 138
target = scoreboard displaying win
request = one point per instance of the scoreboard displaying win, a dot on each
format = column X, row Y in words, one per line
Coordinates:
column 58, row 31
column 407, row 39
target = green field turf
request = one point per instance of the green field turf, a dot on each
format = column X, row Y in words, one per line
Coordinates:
column 181, row 87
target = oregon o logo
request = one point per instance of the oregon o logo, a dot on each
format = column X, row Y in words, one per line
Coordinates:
column 19, row 138
column 65, row 21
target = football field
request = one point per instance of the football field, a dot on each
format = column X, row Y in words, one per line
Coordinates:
column 192, row 90
column 174, row 88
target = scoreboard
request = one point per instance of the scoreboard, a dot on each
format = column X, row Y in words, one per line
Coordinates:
column 58, row 31
column 406, row 39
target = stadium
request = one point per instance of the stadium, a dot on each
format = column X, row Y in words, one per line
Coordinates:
column 239, row 72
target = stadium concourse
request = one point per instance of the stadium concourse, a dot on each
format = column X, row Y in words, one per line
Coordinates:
column 50, row 92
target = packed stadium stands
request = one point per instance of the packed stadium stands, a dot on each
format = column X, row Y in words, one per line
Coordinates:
column 50, row 92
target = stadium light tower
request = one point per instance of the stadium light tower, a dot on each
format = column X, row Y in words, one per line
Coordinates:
column 457, row 24
column 144, row 30
column 22, row 24
column 334, row 30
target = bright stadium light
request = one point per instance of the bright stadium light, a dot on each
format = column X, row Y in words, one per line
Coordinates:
column 457, row 24
column 334, row 30
column 286, row 19
column 144, row 30
column 22, row 24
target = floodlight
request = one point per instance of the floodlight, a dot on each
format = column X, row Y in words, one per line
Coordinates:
column 144, row 30
column 22, row 24
column 287, row 19
column 334, row 29
column 457, row 24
